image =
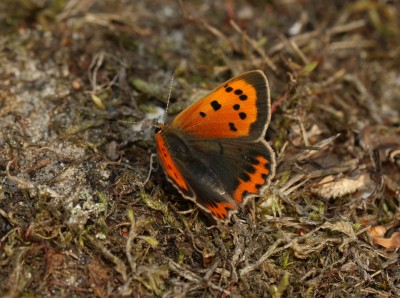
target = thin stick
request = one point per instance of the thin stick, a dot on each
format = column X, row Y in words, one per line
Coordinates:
column 152, row 156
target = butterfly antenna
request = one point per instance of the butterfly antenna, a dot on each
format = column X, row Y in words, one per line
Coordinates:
column 169, row 94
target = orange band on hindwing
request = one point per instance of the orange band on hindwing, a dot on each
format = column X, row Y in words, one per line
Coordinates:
column 219, row 210
column 256, row 180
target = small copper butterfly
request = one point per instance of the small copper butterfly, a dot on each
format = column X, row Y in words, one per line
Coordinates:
column 214, row 152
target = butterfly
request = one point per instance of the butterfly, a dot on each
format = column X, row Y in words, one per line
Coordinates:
column 214, row 151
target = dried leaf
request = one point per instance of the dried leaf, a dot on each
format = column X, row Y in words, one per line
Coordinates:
column 377, row 231
column 331, row 188
column 390, row 243
column 341, row 226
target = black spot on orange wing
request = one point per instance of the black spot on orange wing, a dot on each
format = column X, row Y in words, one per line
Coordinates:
column 215, row 105
column 232, row 126
column 238, row 91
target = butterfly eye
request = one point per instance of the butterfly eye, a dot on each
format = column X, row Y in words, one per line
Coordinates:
column 157, row 129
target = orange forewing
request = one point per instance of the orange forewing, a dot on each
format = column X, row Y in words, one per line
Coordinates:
column 227, row 112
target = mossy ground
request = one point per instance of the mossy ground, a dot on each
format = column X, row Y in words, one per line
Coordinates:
column 76, row 218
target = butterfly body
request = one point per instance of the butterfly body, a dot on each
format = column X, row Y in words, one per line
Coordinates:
column 214, row 151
